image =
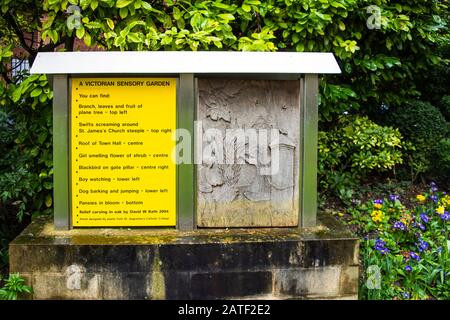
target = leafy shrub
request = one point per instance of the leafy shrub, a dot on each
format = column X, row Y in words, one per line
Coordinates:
column 419, row 122
column 26, row 156
column 26, row 163
column 445, row 107
column 354, row 148
column 405, row 252
column 441, row 161
column 434, row 83
column 14, row 287
column 423, row 126
column 378, row 64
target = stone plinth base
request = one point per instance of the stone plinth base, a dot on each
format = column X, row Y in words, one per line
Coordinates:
column 280, row 263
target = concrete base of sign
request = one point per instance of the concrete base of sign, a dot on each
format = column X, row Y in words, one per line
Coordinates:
column 276, row 263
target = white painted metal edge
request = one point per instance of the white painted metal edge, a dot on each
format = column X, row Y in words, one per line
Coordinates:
column 176, row 62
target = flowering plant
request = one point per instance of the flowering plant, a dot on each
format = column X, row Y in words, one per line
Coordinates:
column 410, row 246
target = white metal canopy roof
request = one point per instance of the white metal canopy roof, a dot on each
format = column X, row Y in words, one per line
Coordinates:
column 175, row 62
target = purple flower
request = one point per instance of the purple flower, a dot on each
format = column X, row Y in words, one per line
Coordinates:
column 406, row 295
column 445, row 216
column 408, row 268
column 378, row 201
column 380, row 246
column 424, row 217
column 414, row 256
column 419, row 225
column 399, row 225
column 422, row 245
column 434, row 187
column 439, row 250
column 393, row 197
column 434, row 198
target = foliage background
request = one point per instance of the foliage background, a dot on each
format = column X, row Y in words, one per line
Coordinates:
column 385, row 70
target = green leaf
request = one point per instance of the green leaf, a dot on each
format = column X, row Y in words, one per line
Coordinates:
column 48, row 201
column 42, row 98
column 93, row 25
column 226, row 16
column 110, row 23
column 341, row 26
column 35, row 151
column 43, row 134
column 337, row 4
column 146, row 6
column 196, row 21
column 83, row 4
column 87, row 39
column 123, row 13
column 53, row 36
column 119, row 41
column 123, row 3
column 36, row 92
column 80, row 32
column 181, row 24
column 221, row 5
column 389, row 43
column 176, row 13
column 246, row 7
column 94, row 4
column 134, row 37
column 17, row 93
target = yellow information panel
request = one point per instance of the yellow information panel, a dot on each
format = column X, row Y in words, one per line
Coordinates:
column 121, row 144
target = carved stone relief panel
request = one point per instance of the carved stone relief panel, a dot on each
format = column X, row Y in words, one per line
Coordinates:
column 248, row 165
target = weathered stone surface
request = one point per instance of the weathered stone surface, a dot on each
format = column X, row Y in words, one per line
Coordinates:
column 65, row 285
column 320, row 281
column 229, row 284
column 349, row 280
column 203, row 264
column 249, row 179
